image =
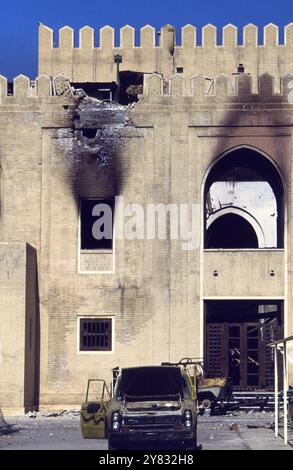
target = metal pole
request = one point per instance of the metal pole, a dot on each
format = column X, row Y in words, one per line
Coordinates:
column 285, row 388
column 282, row 344
column 276, row 392
column 118, row 61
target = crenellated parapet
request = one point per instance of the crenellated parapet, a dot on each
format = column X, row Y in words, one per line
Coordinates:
column 220, row 88
column 26, row 91
column 91, row 56
column 199, row 89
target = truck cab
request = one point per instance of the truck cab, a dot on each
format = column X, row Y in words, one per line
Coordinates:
column 151, row 406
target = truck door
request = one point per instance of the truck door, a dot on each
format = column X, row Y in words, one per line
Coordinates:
column 94, row 410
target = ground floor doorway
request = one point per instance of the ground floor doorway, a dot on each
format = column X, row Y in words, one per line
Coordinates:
column 237, row 333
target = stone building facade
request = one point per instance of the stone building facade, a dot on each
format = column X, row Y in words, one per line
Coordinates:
column 211, row 128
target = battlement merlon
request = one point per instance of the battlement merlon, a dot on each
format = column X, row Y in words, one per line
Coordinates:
column 198, row 88
column 88, row 63
column 45, row 89
column 220, row 88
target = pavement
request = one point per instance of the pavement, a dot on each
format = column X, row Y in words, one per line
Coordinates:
column 60, row 431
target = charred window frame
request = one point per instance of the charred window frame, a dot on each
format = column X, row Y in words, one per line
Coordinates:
column 88, row 240
column 95, row 334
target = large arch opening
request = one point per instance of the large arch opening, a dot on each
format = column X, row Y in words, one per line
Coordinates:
column 244, row 202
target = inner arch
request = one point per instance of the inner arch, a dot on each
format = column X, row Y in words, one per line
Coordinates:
column 231, row 231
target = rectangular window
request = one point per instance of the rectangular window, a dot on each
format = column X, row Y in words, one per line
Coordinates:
column 96, row 224
column 95, row 334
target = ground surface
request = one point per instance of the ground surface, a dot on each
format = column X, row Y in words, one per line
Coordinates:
column 239, row 431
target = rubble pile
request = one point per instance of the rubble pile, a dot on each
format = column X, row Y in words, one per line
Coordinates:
column 5, row 428
column 53, row 414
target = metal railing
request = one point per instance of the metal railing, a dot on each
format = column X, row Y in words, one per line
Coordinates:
column 281, row 346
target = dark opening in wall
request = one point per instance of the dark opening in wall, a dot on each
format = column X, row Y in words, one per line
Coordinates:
column 96, row 224
column 244, row 202
column 10, row 88
column 231, row 231
column 89, row 133
column 237, row 333
column 100, row 91
column 131, row 85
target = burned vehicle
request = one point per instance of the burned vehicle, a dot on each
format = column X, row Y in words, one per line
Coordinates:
column 214, row 391
column 153, row 405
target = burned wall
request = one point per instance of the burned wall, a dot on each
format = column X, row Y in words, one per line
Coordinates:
column 212, row 123
column 155, row 291
column 160, row 151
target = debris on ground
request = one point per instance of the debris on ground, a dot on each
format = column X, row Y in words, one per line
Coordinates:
column 258, row 426
column 214, row 433
column 2, row 420
column 6, row 428
column 56, row 414
column 62, row 413
column 234, row 427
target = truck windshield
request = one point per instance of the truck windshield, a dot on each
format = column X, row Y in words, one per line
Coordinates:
column 148, row 382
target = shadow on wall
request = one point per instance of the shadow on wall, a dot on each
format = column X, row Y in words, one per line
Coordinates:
column 32, row 334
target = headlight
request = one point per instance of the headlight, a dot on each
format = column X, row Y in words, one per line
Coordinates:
column 116, row 421
column 115, row 417
column 188, row 419
column 115, row 426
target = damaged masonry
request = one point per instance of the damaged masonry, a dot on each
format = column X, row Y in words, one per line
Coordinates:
column 97, row 126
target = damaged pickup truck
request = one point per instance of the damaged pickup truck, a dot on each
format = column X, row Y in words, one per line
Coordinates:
column 152, row 406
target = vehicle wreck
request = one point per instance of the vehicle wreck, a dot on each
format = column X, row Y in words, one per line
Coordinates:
column 212, row 391
column 151, row 405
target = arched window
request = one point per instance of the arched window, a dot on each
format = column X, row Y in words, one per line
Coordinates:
column 244, row 202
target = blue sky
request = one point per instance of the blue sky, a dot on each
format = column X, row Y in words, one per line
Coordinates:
column 19, row 19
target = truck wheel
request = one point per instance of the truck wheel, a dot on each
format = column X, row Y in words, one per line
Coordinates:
column 206, row 403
